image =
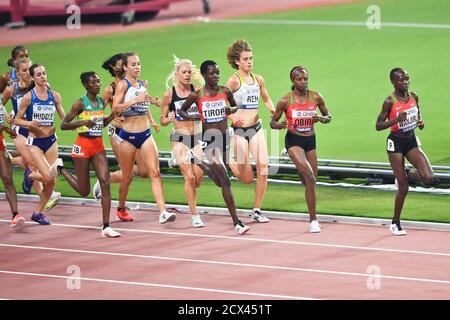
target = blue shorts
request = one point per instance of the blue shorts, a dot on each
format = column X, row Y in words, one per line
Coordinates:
column 42, row 143
column 137, row 139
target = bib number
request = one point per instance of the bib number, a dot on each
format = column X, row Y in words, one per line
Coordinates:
column 390, row 145
column 76, row 150
column 111, row 130
column 29, row 141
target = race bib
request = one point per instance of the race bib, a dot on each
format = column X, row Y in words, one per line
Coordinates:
column 251, row 99
column 303, row 120
column 192, row 111
column 76, row 150
column 111, row 130
column 96, row 130
column 44, row 114
column 213, row 111
column 410, row 123
column 29, row 141
column 390, row 145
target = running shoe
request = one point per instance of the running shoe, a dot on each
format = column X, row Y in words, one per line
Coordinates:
column 123, row 215
column 97, row 191
column 40, row 218
column 397, row 229
column 27, row 183
column 17, row 222
column 314, row 226
column 258, row 217
column 241, row 228
column 110, row 233
column 53, row 200
column 167, row 217
column 197, row 221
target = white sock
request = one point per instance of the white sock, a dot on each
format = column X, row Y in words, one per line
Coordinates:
column 257, row 209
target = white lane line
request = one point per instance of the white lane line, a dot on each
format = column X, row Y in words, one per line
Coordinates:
column 246, row 238
column 159, row 285
column 329, row 23
column 248, row 265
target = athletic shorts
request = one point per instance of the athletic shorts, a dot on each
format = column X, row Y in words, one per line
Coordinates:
column 87, row 147
column 306, row 143
column 2, row 143
column 187, row 139
column 249, row 132
column 137, row 139
column 216, row 140
column 396, row 144
column 42, row 143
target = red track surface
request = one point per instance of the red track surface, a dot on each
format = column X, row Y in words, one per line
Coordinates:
column 178, row 13
column 279, row 260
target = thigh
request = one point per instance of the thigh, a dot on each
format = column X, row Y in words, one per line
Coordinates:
column 100, row 164
column 312, row 159
column 179, row 150
column 258, row 148
column 241, row 149
column 39, row 159
column 52, row 153
column 299, row 159
column 82, row 170
column 420, row 161
column 127, row 156
column 5, row 166
column 23, row 149
column 149, row 153
column 397, row 161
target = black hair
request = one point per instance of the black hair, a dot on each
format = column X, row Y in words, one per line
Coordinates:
column 34, row 66
column 393, row 72
column 205, row 64
column 85, row 76
column 14, row 52
column 292, row 70
column 110, row 64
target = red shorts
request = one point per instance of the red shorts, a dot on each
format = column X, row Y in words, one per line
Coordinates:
column 87, row 147
column 2, row 143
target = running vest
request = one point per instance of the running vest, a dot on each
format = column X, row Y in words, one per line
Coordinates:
column 212, row 109
column 247, row 96
column 177, row 102
column 16, row 96
column 93, row 113
column 137, row 109
column 412, row 114
column 42, row 111
column 299, row 116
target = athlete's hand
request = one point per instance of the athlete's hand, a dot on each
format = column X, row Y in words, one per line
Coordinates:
column 280, row 125
column 156, row 101
column 10, row 117
column 155, row 126
column 88, row 123
column 171, row 116
column 236, row 121
column 143, row 97
column 316, row 118
column 401, row 116
column 12, row 134
column 420, row 124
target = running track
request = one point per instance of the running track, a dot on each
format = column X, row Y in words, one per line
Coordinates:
column 279, row 260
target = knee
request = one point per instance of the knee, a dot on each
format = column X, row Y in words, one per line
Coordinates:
column 7, row 180
column 403, row 186
column 190, row 180
column 430, row 181
column 126, row 179
column 307, row 177
column 154, row 174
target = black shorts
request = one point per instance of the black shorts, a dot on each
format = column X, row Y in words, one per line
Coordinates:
column 188, row 140
column 306, row 143
column 216, row 140
column 396, row 144
column 249, row 132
